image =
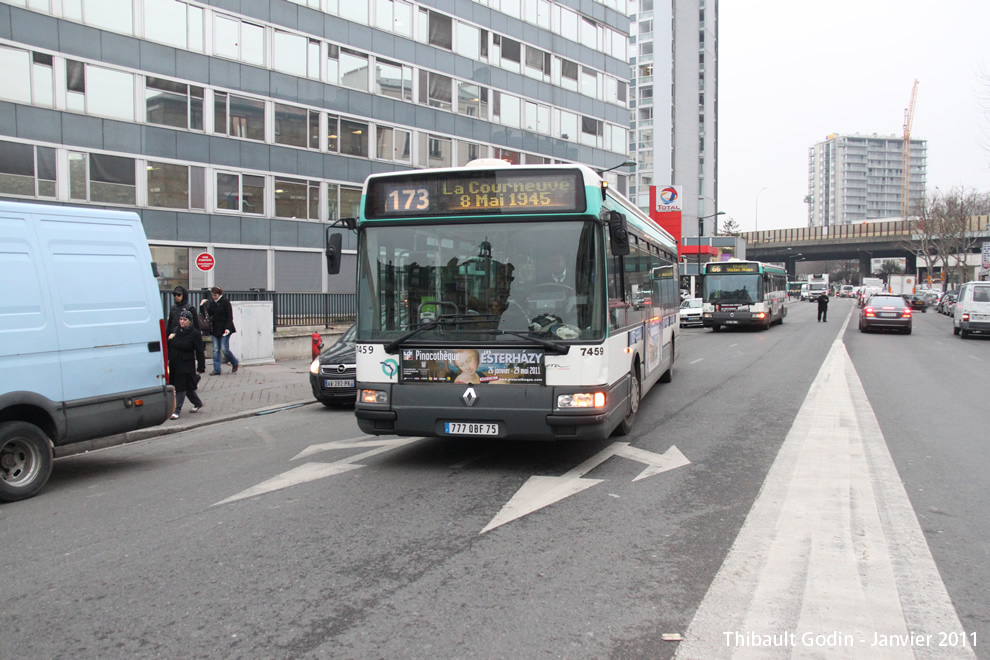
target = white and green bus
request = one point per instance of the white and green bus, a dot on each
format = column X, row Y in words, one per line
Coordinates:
column 496, row 300
column 743, row 293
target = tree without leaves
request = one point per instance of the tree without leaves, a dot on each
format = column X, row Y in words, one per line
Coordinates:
column 729, row 228
column 946, row 228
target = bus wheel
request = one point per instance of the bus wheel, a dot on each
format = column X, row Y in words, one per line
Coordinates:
column 25, row 460
column 626, row 425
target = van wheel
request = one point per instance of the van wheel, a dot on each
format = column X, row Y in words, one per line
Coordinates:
column 955, row 330
column 25, row 460
column 635, row 393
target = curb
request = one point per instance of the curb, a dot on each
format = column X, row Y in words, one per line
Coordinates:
column 162, row 430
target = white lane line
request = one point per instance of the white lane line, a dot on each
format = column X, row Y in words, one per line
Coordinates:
column 733, row 345
column 831, row 558
column 696, row 361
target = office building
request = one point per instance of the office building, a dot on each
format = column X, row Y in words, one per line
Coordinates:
column 674, row 104
column 855, row 178
column 243, row 128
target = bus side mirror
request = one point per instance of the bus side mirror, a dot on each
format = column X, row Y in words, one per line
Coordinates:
column 619, row 233
column 334, row 243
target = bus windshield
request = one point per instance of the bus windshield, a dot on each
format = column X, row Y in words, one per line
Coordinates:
column 721, row 289
column 530, row 278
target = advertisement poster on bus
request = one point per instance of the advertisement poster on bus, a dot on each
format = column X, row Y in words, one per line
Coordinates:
column 479, row 366
column 653, row 345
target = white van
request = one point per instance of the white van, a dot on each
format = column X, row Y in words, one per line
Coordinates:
column 972, row 310
column 82, row 345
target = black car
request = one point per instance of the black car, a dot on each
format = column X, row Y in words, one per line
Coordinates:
column 332, row 374
column 916, row 302
column 885, row 312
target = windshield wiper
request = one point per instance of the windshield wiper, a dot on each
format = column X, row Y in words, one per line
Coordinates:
column 445, row 320
column 554, row 347
column 393, row 346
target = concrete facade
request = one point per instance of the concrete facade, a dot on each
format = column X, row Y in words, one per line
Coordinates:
column 242, row 128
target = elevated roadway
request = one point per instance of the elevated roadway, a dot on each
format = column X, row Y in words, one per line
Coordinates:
column 862, row 242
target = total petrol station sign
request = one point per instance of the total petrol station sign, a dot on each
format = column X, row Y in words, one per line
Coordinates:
column 669, row 199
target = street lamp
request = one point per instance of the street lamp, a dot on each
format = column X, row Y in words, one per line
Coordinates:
column 701, row 232
column 756, row 214
column 615, row 167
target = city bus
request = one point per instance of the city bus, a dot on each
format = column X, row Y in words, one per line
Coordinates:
column 508, row 301
column 743, row 293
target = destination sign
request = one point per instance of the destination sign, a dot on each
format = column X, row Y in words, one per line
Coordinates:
column 731, row 268
column 474, row 192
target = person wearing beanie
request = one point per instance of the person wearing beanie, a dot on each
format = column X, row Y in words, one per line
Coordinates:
column 180, row 301
column 186, row 360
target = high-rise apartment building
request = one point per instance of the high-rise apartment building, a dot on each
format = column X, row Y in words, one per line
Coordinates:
column 674, row 104
column 855, row 178
column 243, row 127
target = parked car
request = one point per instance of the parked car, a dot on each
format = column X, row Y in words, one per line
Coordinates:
column 332, row 374
column 931, row 297
column 690, row 312
column 946, row 301
column 885, row 312
column 971, row 312
column 916, row 302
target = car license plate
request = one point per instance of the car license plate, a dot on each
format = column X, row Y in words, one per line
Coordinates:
column 888, row 314
column 460, row 428
column 337, row 384
column 979, row 317
column 731, row 322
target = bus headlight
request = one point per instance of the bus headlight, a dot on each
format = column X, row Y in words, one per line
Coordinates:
column 581, row 400
column 374, row 396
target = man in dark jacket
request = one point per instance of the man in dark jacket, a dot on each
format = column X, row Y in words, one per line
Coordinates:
column 222, row 326
column 186, row 359
column 180, row 301
column 823, row 307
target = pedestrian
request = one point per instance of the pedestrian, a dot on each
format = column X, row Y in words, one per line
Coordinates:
column 180, row 301
column 221, row 327
column 823, row 307
column 186, row 360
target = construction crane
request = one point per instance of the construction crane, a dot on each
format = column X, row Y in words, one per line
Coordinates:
column 906, row 154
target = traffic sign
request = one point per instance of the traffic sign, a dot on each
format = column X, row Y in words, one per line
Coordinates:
column 205, row 261
column 986, row 255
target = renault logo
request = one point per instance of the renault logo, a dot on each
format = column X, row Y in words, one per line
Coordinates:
column 469, row 396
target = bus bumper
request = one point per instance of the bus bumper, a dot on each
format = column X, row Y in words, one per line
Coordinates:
column 735, row 318
column 520, row 412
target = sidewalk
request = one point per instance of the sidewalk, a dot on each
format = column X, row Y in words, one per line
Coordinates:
column 252, row 390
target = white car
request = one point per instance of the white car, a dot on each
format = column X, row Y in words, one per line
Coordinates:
column 691, row 312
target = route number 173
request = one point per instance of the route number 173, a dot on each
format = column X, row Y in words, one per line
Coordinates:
column 411, row 199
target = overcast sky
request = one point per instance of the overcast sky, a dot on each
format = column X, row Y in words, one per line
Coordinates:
column 792, row 72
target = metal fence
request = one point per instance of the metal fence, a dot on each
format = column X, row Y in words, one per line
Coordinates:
column 288, row 309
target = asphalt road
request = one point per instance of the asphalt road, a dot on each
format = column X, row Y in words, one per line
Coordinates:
column 293, row 535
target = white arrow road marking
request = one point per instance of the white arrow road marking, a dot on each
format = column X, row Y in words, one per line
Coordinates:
column 539, row 492
column 830, row 546
column 314, row 471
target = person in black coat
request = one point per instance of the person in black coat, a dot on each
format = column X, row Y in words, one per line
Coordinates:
column 822, row 307
column 221, row 327
column 180, row 301
column 186, row 360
